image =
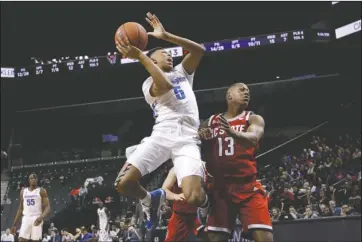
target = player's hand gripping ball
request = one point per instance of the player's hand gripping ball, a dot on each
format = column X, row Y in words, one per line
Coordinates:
column 134, row 32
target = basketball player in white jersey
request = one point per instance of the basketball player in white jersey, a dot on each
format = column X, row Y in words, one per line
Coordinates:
column 34, row 206
column 103, row 222
column 169, row 92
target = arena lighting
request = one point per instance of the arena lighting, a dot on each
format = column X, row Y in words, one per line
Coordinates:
column 240, row 43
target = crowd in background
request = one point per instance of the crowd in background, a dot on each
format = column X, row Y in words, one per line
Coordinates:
column 323, row 180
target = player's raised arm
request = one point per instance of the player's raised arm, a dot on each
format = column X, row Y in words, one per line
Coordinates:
column 167, row 185
column 19, row 213
column 253, row 134
column 196, row 51
column 161, row 84
column 46, row 206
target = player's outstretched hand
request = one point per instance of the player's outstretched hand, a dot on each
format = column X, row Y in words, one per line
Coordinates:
column 126, row 49
column 159, row 31
column 205, row 133
column 224, row 125
column 38, row 221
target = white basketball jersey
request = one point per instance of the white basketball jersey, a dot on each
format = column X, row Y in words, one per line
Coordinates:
column 32, row 205
column 179, row 103
column 102, row 215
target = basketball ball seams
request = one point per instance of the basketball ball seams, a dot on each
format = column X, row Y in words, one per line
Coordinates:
column 135, row 33
column 142, row 40
column 125, row 32
column 138, row 35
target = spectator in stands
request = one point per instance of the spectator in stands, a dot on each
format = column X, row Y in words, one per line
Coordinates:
column 51, row 228
column 6, row 200
column 74, row 194
column 323, row 200
column 66, row 236
column 95, row 233
column 356, row 154
column 309, row 213
column 123, row 233
column 78, row 234
column 132, row 235
column 114, row 233
column 326, row 211
column 108, row 199
column 46, row 238
column 55, row 237
column 275, row 214
column 294, row 213
column 96, row 200
column 85, row 236
column 336, row 211
column 355, row 199
column 7, row 237
column 83, row 192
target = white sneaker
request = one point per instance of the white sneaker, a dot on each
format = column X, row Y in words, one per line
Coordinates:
column 147, row 210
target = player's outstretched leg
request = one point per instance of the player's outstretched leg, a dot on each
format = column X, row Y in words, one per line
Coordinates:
column 127, row 183
column 137, row 165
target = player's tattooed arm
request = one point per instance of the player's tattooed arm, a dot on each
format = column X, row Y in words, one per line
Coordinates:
column 19, row 213
column 167, row 185
column 252, row 136
column 196, row 51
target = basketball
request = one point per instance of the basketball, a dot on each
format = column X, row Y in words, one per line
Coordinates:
column 135, row 33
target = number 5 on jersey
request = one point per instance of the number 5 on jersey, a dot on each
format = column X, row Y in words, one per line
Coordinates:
column 179, row 93
column 227, row 149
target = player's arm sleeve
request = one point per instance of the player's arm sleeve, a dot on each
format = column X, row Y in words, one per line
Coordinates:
column 190, row 77
column 146, row 88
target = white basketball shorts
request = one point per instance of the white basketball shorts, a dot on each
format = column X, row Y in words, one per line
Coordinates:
column 169, row 141
column 28, row 230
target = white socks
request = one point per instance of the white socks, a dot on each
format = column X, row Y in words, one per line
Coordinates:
column 146, row 200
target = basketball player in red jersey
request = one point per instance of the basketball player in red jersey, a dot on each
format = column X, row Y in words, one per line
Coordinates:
column 184, row 219
column 230, row 140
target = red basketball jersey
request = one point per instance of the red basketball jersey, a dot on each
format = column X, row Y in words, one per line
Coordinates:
column 227, row 158
column 181, row 207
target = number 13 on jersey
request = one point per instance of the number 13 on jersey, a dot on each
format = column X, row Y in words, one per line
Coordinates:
column 226, row 146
